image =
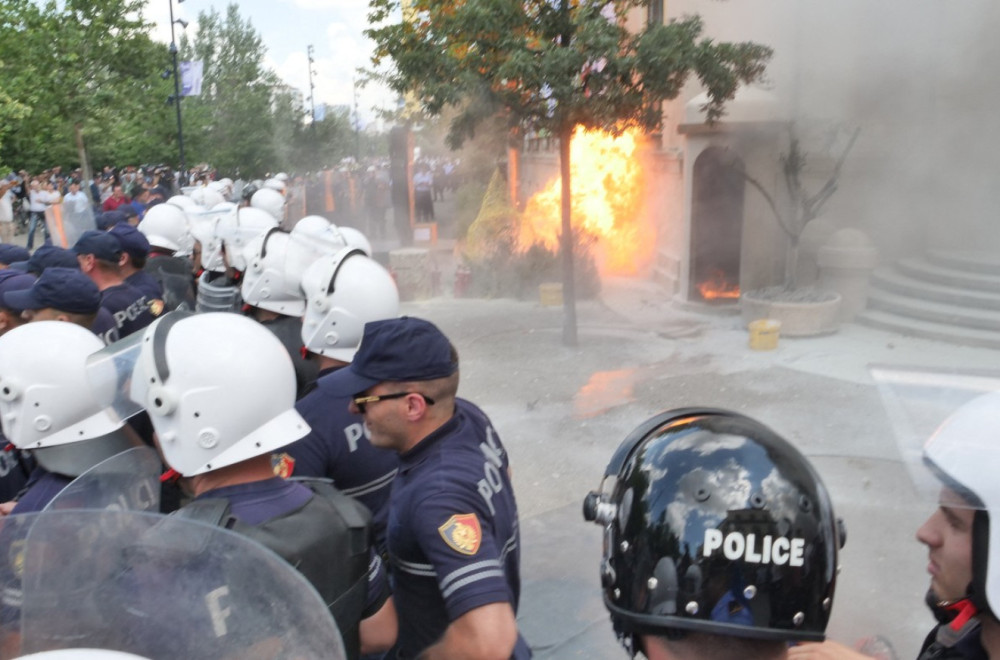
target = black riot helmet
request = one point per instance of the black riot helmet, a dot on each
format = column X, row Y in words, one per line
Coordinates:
column 714, row 523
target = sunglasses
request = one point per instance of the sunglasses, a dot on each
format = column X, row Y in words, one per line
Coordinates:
column 362, row 401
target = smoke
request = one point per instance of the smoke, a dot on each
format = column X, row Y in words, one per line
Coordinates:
column 917, row 79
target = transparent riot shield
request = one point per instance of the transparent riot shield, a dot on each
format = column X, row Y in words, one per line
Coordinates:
column 920, row 403
column 129, row 481
column 155, row 586
column 66, row 222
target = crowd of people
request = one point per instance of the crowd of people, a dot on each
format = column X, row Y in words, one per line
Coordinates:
column 260, row 351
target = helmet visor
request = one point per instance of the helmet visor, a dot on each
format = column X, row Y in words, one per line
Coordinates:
column 110, row 370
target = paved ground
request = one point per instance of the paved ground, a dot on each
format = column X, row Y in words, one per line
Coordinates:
column 562, row 412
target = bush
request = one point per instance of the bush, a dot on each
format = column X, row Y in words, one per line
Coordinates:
column 499, row 269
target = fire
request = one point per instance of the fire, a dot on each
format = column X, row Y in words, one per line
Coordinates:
column 608, row 188
column 717, row 287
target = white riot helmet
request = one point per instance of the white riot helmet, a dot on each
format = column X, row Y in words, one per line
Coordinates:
column 46, row 398
column 355, row 239
column 317, row 230
column 219, row 389
column 183, row 202
column 238, row 229
column 270, row 201
column 281, row 176
column 275, row 184
column 203, row 229
column 272, row 279
column 343, row 292
column 964, row 453
column 166, row 226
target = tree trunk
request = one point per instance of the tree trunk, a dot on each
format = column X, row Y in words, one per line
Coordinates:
column 792, row 265
column 566, row 240
column 81, row 151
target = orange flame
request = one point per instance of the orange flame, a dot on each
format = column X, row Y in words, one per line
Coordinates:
column 717, row 287
column 608, row 188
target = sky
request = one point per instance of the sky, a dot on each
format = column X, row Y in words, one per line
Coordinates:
column 333, row 27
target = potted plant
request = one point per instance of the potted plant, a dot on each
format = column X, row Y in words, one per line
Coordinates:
column 802, row 310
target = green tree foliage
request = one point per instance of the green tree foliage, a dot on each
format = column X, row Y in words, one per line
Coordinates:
column 551, row 65
column 80, row 70
column 231, row 123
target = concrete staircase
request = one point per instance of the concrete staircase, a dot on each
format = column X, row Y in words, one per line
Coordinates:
column 949, row 296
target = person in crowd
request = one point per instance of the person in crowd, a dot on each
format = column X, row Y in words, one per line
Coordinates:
column 720, row 540
column 342, row 293
column 135, row 250
column 99, row 255
column 453, row 539
column 51, row 410
column 187, row 370
column 961, row 540
column 116, row 199
column 42, row 195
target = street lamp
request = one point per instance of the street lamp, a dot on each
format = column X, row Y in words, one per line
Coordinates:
column 177, row 89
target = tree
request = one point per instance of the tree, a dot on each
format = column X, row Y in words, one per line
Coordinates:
column 802, row 207
column 76, row 66
column 551, row 65
column 231, row 122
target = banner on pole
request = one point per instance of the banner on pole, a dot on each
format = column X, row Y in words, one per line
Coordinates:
column 191, row 77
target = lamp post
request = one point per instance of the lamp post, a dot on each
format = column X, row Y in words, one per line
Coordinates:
column 177, row 91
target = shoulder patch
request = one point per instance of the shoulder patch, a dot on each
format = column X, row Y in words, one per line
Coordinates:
column 462, row 533
column 156, row 307
column 283, row 465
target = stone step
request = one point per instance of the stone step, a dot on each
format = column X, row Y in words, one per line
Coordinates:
column 890, row 280
column 935, row 312
column 984, row 263
column 929, row 330
column 922, row 269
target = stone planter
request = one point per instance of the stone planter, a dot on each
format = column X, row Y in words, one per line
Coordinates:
column 798, row 318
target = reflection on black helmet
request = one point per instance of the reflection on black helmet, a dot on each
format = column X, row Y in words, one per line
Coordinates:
column 714, row 523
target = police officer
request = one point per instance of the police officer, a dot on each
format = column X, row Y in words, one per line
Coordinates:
column 165, row 226
column 720, row 540
column 219, row 389
column 10, row 254
column 964, row 591
column 64, row 294
column 272, row 295
column 14, row 466
column 453, row 539
column 135, row 250
column 49, row 408
column 343, row 292
column 99, row 255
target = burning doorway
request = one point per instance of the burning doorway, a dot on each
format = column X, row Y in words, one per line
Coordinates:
column 717, row 192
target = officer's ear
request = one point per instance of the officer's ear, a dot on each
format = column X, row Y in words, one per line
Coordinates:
column 416, row 407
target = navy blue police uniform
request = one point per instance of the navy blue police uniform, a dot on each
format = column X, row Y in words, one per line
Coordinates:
column 339, row 448
column 137, row 247
column 128, row 307
column 270, row 511
column 41, row 488
column 453, row 536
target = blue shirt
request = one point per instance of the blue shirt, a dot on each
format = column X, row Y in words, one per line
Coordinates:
column 104, row 326
column 453, row 533
column 149, row 286
column 129, row 308
column 339, row 448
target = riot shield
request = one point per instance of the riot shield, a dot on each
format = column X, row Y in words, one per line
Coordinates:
column 156, row 586
column 128, row 481
column 67, row 221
